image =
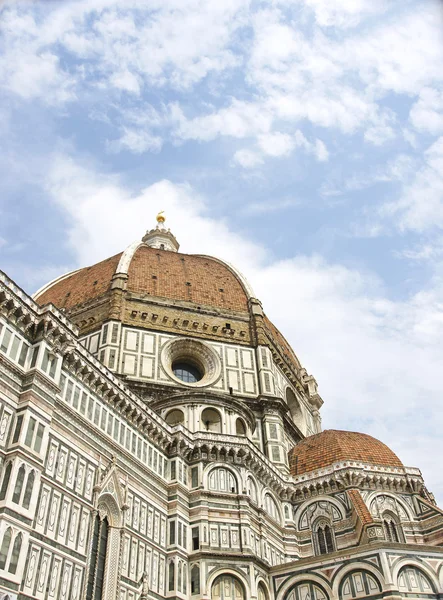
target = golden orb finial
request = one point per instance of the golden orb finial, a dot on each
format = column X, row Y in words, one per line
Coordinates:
column 161, row 217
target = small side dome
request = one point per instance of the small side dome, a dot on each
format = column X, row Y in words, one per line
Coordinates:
column 332, row 446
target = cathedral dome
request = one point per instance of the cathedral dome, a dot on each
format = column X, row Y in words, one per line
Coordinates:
column 153, row 272
column 333, row 446
column 152, row 287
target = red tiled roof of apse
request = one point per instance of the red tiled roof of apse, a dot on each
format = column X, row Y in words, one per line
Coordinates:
column 360, row 507
column 81, row 286
column 332, row 446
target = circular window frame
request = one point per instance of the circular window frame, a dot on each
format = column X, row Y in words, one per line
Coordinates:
column 195, row 352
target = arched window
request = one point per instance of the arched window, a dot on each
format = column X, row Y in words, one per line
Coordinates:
column 251, row 489
column 392, row 528
column 211, row 420
column 5, row 482
column 5, row 548
column 262, row 593
column 272, row 508
column 15, row 554
column 19, row 485
column 359, row 584
column 175, row 417
column 171, row 576
column 323, row 538
column 28, row 489
column 295, row 409
column 222, row 480
column 97, row 559
column 240, row 428
column 184, row 578
column 227, row 587
column 195, row 579
column 413, row 581
column 307, row 590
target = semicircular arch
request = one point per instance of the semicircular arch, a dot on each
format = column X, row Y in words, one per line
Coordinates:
column 344, row 571
column 260, row 581
column 372, row 496
column 267, row 493
column 419, row 566
column 288, row 586
column 303, row 507
column 233, row 573
column 220, row 465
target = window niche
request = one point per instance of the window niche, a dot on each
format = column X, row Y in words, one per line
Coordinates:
column 102, row 575
column 10, row 550
column 195, row 580
column 211, row 420
column 175, row 417
column 323, row 535
column 392, row 528
column 240, row 427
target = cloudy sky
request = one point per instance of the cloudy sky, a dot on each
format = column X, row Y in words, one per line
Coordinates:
column 300, row 139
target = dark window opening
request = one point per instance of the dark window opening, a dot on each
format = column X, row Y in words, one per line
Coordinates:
column 391, row 532
column 171, row 576
column 5, row 483
column 195, row 580
column 195, row 538
column 194, row 477
column 172, row 532
column 19, row 485
column 5, row 548
column 15, row 554
column 186, row 372
column 18, row 428
column 97, row 563
column 325, row 541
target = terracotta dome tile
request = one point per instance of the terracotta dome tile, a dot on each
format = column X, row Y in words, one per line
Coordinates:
column 333, row 446
column 83, row 285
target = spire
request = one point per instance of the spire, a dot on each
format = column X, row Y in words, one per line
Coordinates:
column 160, row 237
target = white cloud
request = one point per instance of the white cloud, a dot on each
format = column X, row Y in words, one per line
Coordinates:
column 31, row 76
column 293, row 72
column 376, row 359
column 239, row 120
column 320, row 151
column 276, row 144
column 379, row 134
column 174, row 43
column 345, row 14
column 127, row 81
column 98, row 204
column 398, row 169
column 137, row 141
column 271, row 205
column 427, row 113
column 420, row 205
column 248, row 158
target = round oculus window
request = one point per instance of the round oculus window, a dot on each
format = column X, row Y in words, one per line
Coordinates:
column 186, row 372
column 191, row 362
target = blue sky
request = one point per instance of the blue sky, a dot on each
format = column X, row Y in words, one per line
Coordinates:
column 300, row 139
